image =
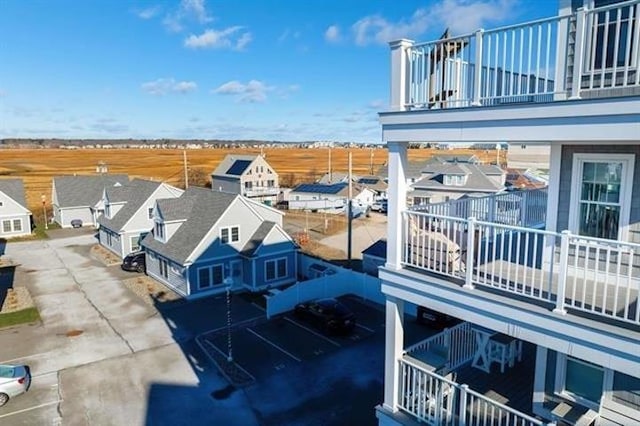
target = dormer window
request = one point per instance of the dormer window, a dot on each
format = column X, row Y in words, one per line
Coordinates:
column 107, row 210
column 230, row 234
column 454, row 180
column 159, row 231
column 150, row 212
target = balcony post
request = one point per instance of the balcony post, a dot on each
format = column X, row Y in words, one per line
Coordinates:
column 394, row 342
column 578, row 57
column 477, row 73
column 524, row 207
column 462, row 415
column 400, row 73
column 471, row 248
column 397, row 203
column 562, row 273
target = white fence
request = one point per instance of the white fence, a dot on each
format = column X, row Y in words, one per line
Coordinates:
column 338, row 282
column 459, row 342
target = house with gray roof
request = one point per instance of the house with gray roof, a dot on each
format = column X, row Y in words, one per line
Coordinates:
column 449, row 181
column 129, row 212
column 329, row 198
column 15, row 217
column 248, row 175
column 206, row 241
column 80, row 197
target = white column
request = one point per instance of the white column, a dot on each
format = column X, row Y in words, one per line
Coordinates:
column 560, row 76
column 400, row 73
column 397, row 202
column 553, row 197
column 394, row 342
column 539, row 379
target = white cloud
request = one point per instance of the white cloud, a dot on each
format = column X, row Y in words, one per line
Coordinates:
column 376, row 104
column 189, row 10
column 148, row 13
column 332, row 34
column 253, row 92
column 163, row 86
column 230, row 38
column 460, row 16
column 287, row 34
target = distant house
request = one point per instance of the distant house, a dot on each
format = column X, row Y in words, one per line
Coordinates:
column 248, row 175
column 523, row 179
column 336, row 177
column 450, row 181
column 15, row 217
column 331, row 198
column 80, row 197
column 376, row 184
column 128, row 213
column 374, row 256
column 205, row 241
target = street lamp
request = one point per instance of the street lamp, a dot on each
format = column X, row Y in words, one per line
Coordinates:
column 44, row 210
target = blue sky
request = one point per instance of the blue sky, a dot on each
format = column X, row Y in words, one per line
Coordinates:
column 288, row 70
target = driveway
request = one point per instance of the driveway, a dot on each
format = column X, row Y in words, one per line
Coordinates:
column 366, row 231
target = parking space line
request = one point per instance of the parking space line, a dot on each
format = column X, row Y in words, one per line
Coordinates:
column 259, row 307
column 29, row 409
column 365, row 328
column 273, row 344
column 313, row 332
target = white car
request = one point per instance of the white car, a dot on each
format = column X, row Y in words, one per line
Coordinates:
column 14, row 380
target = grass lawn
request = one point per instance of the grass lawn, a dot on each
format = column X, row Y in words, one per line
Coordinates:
column 39, row 233
column 20, row 317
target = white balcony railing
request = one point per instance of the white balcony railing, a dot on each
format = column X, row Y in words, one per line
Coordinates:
column 437, row 400
column 530, row 62
column 527, row 208
column 593, row 275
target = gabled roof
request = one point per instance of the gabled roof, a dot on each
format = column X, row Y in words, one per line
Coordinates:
column 454, row 158
column 84, row 191
column 477, row 179
column 134, row 195
column 256, row 239
column 373, row 182
column 234, row 165
column 377, row 249
column 14, row 188
column 336, row 177
column 200, row 209
column 413, row 170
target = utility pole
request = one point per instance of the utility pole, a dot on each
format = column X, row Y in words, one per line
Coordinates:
column 44, row 210
column 329, row 171
column 371, row 162
column 349, row 216
column 186, row 173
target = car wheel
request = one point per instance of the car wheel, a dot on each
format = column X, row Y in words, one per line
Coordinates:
column 4, row 398
column 140, row 268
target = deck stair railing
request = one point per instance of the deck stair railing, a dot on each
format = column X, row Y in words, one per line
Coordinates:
column 458, row 341
column 526, row 208
column 527, row 62
column 436, row 400
column 568, row 271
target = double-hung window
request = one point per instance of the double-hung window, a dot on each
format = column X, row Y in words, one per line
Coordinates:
column 230, row 234
column 275, row 269
column 164, row 268
column 159, row 231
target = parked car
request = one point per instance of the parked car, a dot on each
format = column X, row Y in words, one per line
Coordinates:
column 14, row 380
column 328, row 315
column 134, row 262
column 434, row 319
column 76, row 223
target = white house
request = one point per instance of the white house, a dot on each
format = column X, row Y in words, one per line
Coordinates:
column 330, row 198
column 248, row 175
column 550, row 309
column 128, row 213
column 15, row 217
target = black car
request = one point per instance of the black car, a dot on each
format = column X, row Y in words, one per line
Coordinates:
column 134, row 262
column 328, row 315
column 434, row 319
column 76, row 223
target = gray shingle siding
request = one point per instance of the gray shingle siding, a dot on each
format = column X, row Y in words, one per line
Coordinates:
column 175, row 280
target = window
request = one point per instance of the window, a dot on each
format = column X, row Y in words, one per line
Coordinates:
column 107, row 210
column 230, row 234
column 6, row 226
column 217, row 272
column 626, row 390
column 275, row 269
column 109, row 238
column 204, row 278
column 271, row 183
column 159, row 229
column 1, row 204
column 600, row 188
column 150, row 212
column 583, row 380
column 248, row 185
column 135, row 243
column 164, row 268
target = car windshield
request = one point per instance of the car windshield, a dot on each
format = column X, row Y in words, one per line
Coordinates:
column 6, row 371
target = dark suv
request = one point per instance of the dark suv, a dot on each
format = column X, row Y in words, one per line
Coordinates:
column 134, row 262
column 328, row 315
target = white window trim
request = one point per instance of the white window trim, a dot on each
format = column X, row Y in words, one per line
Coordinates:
column 628, row 164
column 166, row 262
column 230, row 229
column 275, row 261
column 209, row 268
column 134, row 239
column 561, row 378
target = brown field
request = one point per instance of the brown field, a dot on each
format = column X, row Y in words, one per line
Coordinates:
column 37, row 166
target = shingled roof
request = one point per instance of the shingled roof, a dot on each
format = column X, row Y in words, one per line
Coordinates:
column 134, row 194
column 14, row 188
column 256, row 239
column 477, row 179
column 200, row 209
column 84, row 191
column 234, row 165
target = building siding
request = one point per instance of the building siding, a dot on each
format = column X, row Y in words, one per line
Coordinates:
column 566, row 166
column 224, row 184
column 261, row 280
column 116, row 241
column 69, row 214
column 175, row 280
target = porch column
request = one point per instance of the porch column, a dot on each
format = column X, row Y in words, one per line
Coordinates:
column 553, row 198
column 397, row 202
column 394, row 343
column 400, row 73
column 562, row 65
column 539, row 380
